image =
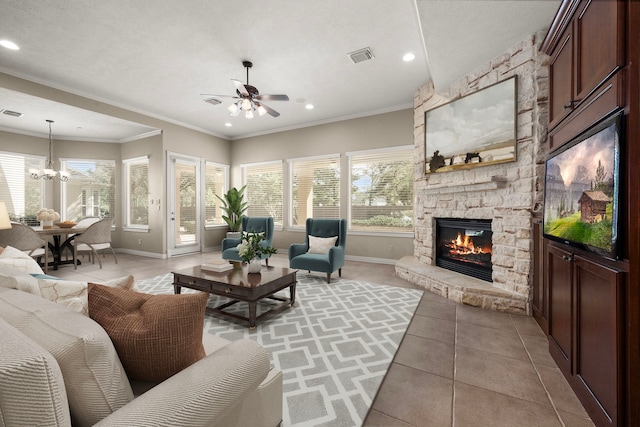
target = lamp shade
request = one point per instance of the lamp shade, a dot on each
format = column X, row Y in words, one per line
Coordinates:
column 5, row 222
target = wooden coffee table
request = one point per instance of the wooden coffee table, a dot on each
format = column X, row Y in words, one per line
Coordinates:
column 238, row 285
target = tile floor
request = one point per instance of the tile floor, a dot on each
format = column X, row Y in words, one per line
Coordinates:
column 456, row 366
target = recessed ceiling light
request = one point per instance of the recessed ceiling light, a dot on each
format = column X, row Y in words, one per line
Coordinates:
column 228, row 124
column 408, row 57
column 9, row 44
column 309, row 106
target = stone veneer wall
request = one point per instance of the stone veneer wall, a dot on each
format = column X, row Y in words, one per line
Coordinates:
column 507, row 193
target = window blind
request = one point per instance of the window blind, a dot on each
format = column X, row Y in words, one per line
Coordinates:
column 264, row 190
column 315, row 189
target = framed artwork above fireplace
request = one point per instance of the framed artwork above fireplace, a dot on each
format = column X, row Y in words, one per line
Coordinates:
column 476, row 130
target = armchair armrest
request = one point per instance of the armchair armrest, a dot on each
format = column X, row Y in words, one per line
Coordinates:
column 336, row 255
column 229, row 242
column 296, row 249
column 203, row 393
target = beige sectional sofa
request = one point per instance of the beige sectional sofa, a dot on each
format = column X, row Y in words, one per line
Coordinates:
column 58, row 367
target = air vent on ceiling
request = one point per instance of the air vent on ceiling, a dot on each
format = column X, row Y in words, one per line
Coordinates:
column 11, row 113
column 213, row 101
column 361, row 55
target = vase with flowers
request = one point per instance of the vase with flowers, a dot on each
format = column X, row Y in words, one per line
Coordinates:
column 252, row 248
column 46, row 217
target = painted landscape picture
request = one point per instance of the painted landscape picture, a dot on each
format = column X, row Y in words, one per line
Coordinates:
column 581, row 192
column 476, row 130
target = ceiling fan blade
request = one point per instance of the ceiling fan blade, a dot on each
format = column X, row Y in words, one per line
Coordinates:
column 240, row 87
column 272, row 97
column 219, row 96
column 270, row 110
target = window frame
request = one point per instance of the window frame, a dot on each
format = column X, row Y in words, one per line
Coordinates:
column 225, row 187
column 290, row 172
column 64, row 190
column 244, row 169
column 44, row 193
column 126, row 175
column 372, row 152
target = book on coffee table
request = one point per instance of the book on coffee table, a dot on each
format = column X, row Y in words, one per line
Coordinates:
column 217, row 265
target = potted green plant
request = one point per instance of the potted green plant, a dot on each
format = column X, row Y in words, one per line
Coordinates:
column 234, row 207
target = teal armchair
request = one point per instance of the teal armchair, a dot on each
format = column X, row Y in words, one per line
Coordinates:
column 249, row 224
column 302, row 257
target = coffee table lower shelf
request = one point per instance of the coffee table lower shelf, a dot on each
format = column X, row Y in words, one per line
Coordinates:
column 253, row 309
column 237, row 286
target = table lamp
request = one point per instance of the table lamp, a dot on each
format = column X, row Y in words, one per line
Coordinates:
column 5, row 222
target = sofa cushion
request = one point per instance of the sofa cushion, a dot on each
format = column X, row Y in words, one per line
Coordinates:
column 95, row 382
column 156, row 336
column 73, row 293
column 17, row 259
column 321, row 245
column 31, row 385
column 13, row 278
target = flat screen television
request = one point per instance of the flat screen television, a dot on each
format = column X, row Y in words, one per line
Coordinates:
column 582, row 182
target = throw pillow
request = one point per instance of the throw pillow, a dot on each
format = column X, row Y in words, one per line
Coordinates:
column 17, row 259
column 156, row 336
column 73, row 293
column 321, row 245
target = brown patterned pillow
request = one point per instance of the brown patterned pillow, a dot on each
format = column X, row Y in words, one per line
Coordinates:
column 156, row 336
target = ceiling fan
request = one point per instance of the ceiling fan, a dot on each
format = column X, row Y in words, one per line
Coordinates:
column 249, row 99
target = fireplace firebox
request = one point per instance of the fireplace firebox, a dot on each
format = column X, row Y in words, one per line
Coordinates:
column 464, row 246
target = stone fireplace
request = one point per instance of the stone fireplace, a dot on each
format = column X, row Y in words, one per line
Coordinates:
column 506, row 195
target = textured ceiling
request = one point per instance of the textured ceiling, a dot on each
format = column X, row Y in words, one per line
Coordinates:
column 157, row 56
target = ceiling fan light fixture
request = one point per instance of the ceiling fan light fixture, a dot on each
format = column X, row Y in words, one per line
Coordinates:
column 233, row 108
column 246, row 104
column 261, row 110
column 249, row 114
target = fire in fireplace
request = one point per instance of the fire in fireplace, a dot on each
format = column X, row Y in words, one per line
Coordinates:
column 464, row 246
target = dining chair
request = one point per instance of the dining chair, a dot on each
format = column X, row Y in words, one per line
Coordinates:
column 83, row 223
column 25, row 239
column 95, row 238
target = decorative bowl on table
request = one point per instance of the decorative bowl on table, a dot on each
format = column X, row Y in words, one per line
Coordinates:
column 66, row 224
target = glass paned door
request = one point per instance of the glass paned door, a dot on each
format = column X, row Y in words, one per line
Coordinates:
column 184, row 204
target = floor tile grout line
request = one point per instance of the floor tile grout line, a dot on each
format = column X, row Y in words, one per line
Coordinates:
column 535, row 368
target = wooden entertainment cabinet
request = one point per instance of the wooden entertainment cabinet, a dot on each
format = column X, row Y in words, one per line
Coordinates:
column 589, row 306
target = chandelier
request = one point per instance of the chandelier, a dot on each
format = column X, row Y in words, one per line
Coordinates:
column 49, row 172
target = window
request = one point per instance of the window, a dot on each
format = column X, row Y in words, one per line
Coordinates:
column 136, row 192
column 264, row 190
column 381, row 185
column 90, row 190
column 315, row 189
column 215, row 184
column 22, row 195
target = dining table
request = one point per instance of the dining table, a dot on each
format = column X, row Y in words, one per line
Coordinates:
column 60, row 243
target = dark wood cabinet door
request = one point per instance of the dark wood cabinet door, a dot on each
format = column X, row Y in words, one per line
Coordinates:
column 559, row 279
column 597, row 348
column 598, row 33
column 561, row 79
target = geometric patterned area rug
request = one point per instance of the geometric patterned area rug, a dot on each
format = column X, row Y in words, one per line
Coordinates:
column 334, row 345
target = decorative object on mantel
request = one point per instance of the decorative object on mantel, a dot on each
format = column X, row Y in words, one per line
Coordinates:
column 250, row 250
column 476, row 130
column 49, row 172
column 46, row 217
